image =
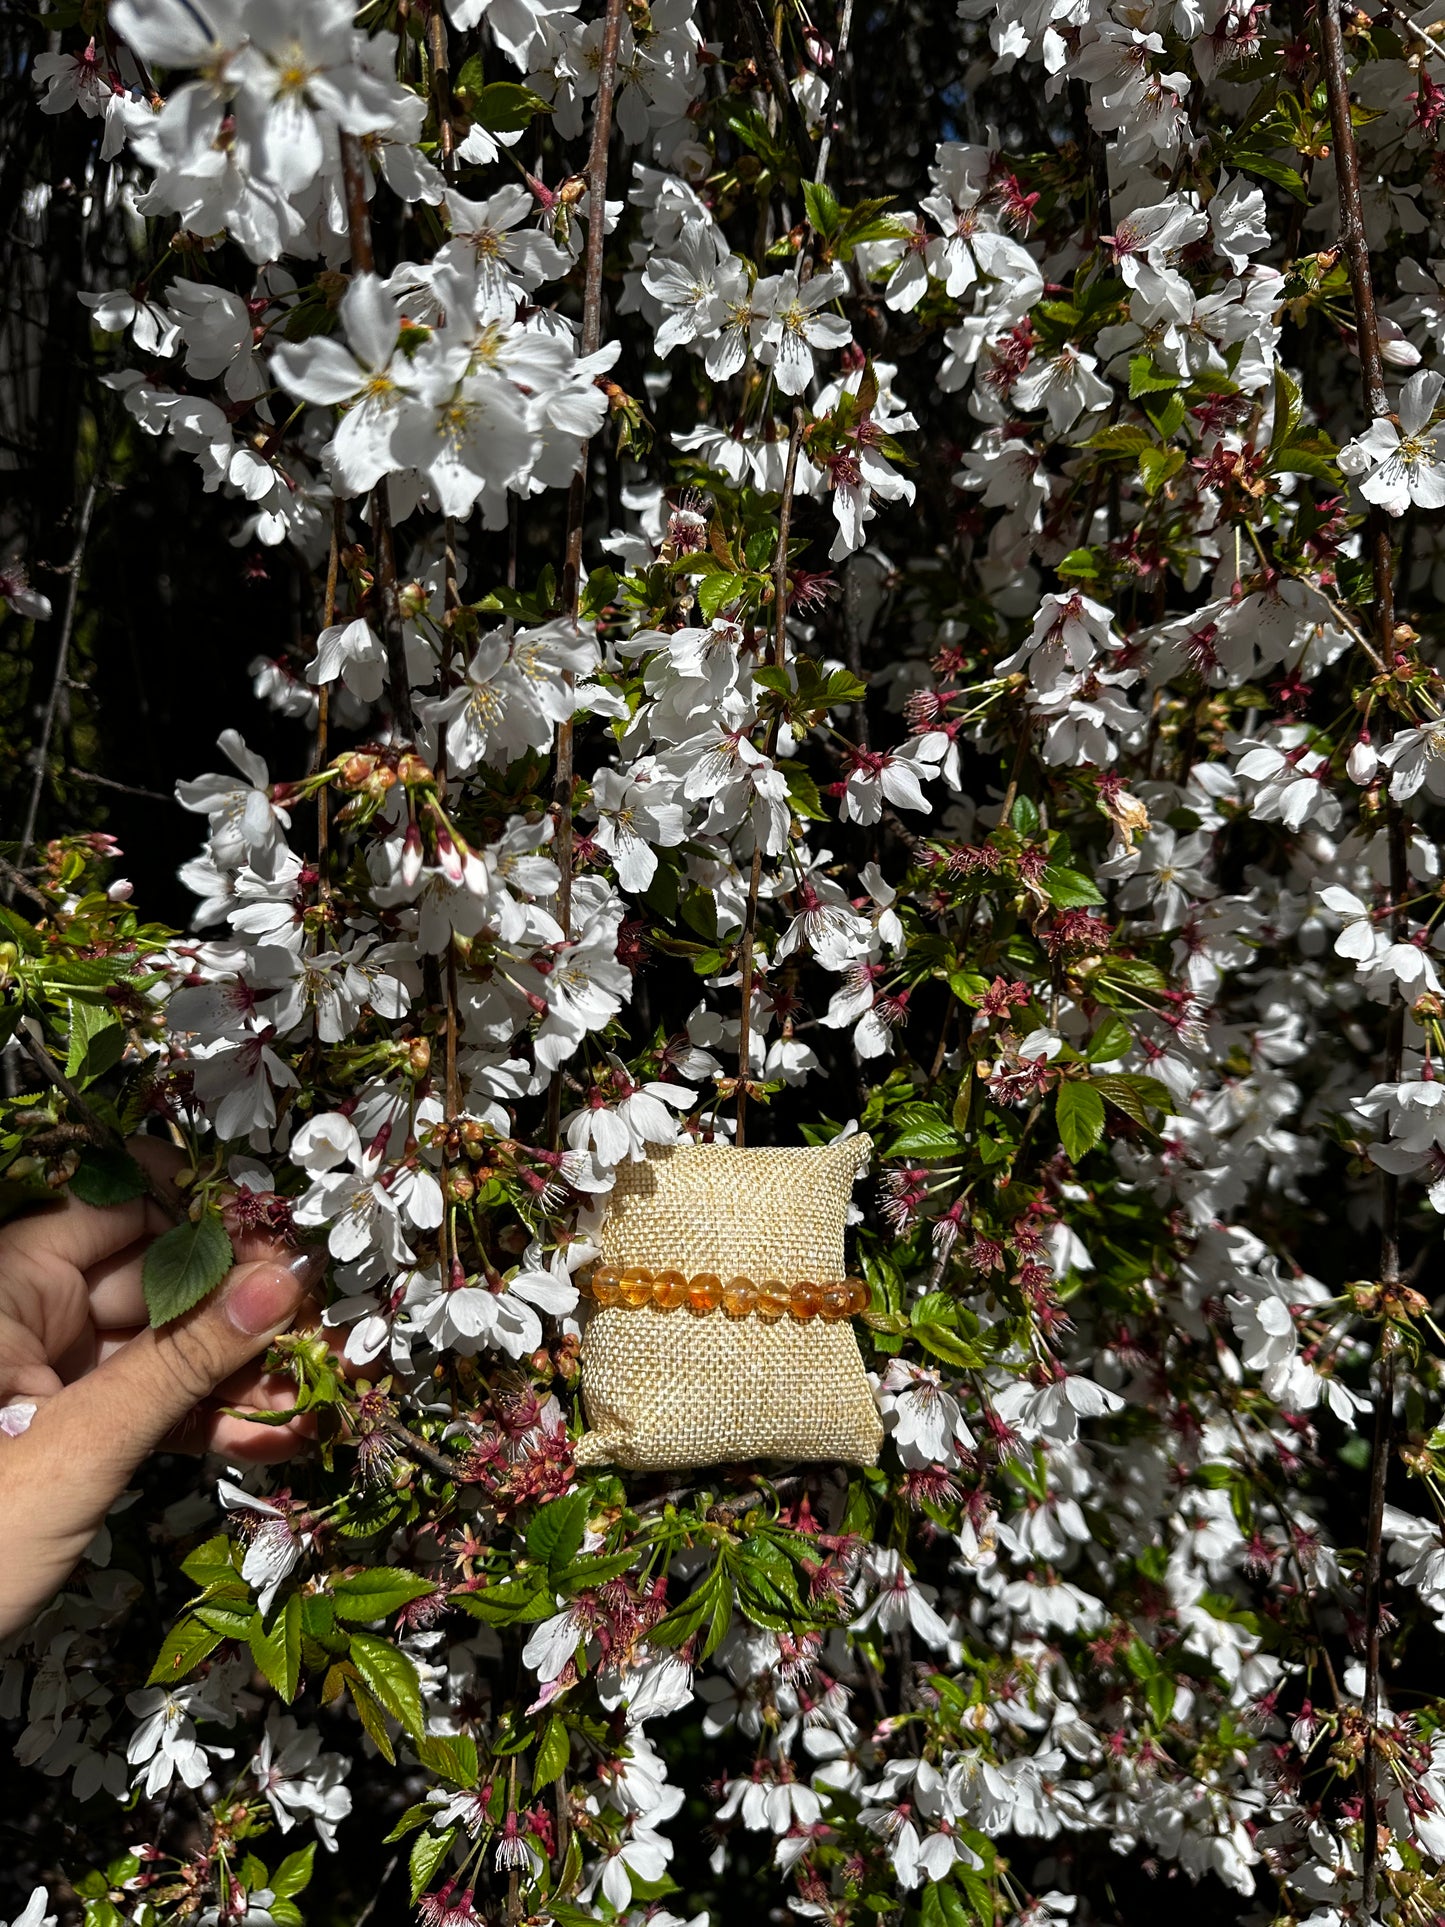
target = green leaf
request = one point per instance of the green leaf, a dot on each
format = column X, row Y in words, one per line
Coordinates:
column 105, row 1176
column 97, row 1038
column 1158, row 466
column 293, row 1875
column 1251, row 161
column 1288, row 407
column 1167, row 417
column 430, row 1850
column 372, row 1717
column 1135, row 1096
column 277, row 1649
column 824, row 213
column 184, row 1265
column 1024, row 817
column 377, row 1593
column 391, row 1677
column 1069, row 889
column 185, row 1646
column 215, row 1562
column 553, row 1753
column 924, row 1133
column 1079, row 1114
column 1110, row 1040
column 501, row 106
column 1079, row 562
column 555, row 1536
column 715, row 592
column 1146, row 379
column 948, row 1346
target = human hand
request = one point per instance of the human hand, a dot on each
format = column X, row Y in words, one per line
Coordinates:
column 106, row 1389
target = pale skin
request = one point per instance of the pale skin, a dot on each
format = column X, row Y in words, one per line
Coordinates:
column 108, row 1390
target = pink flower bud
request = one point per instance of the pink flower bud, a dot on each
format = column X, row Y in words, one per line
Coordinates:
column 411, row 856
column 448, row 858
column 1362, row 761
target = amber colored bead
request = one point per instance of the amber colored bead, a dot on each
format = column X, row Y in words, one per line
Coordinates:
column 837, row 1300
column 739, row 1297
column 669, row 1290
column 772, row 1301
column 704, row 1293
column 636, row 1285
column 606, row 1285
column 860, row 1296
column 805, row 1301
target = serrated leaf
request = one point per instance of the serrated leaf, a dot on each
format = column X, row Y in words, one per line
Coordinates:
column 377, row 1593
column 391, row 1677
column 1069, row 889
column 553, row 1753
column 105, row 1176
column 183, row 1649
column 293, row 1876
column 923, row 1133
column 368, row 1709
column 1079, row 1115
column 277, row 1648
column 824, row 212
column 184, row 1265
column 1146, row 379
column 715, row 592
column 215, row 1560
column 1135, row 1096
column 948, row 1346
column 97, row 1039
column 1112, row 1039
column 554, row 1538
column 427, row 1854
column 1251, row 161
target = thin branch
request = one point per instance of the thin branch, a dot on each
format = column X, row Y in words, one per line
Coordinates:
column 776, row 658
column 770, row 66
column 323, row 700
column 62, row 659
column 363, row 261
column 564, row 767
column 1356, row 249
column 109, row 783
column 96, row 1129
column 845, row 28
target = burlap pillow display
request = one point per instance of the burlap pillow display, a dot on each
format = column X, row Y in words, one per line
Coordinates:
column 668, row 1389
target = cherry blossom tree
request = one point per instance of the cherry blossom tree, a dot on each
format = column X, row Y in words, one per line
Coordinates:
column 851, row 573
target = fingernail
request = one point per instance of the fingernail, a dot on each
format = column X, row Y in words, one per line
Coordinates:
column 307, row 1266
column 262, row 1302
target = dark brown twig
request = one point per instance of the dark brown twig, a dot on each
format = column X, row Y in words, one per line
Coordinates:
column 563, row 767
column 62, row 659
column 770, row 66
column 363, row 261
column 1356, row 249
column 777, row 655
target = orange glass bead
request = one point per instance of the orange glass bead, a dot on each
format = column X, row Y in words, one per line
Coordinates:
column 635, row 1285
column 772, row 1301
column 669, row 1290
column 606, row 1285
column 739, row 1297
column 860, row 1296
column 806, row 1301
column 704, row 1293
column 837, row 1300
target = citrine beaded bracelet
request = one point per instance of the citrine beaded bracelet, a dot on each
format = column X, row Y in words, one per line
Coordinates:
column 637, row 1285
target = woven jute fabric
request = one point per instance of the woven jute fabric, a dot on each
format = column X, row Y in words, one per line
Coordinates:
column 665, row 1390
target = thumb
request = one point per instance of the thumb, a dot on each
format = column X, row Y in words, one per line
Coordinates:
column 127, row 1406
column 62, row 1475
